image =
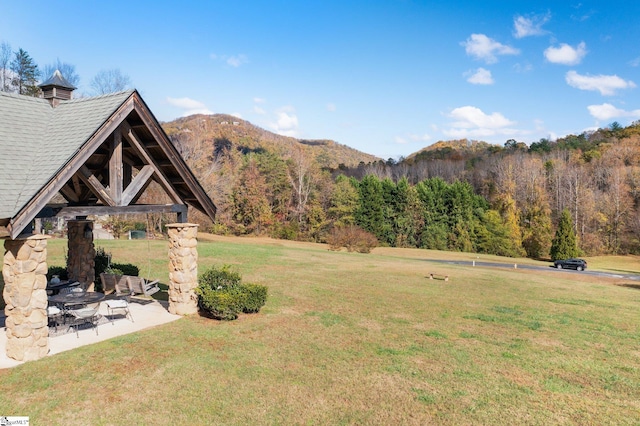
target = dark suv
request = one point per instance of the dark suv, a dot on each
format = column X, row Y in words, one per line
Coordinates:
column 577, row 264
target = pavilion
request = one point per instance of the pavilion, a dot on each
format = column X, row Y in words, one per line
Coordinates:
column 80, row 158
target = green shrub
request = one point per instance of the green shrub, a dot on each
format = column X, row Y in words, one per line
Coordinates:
column 221, row 304
column 60, row 271
column 219, row 229
column 255, row 297
column 222, row 295
column 102, row 260
column 114, row 271
column 139, row 226
column 286, row 231
column 220, row 278
column 126, row 268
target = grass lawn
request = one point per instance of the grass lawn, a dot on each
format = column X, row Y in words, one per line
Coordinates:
column 348, row 338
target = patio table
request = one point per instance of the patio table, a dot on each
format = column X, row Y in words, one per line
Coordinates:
column 55, row 287
column 76, row 298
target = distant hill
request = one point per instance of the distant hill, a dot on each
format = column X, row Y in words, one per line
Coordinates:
column 453, row 149
column 211, row 132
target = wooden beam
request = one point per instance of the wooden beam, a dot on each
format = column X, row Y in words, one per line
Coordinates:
column 205, row 204
column 142, row 179
column 76, row 211
column 69, row 194
column 142, row 152
column 75, row 180
column 96, row 187
column 115, row 169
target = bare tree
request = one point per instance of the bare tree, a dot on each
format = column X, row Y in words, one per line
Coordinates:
column 68, row 71
column 110, row 81
column 5, row 72
column 302, row 179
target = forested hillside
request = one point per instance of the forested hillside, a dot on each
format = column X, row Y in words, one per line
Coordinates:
column 457, row 195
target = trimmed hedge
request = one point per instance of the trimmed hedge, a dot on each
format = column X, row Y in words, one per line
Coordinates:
column 221, row 294
column 255, row 297
column 126, row 268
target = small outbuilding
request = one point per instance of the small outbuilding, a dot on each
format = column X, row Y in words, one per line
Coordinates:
column 98, row 155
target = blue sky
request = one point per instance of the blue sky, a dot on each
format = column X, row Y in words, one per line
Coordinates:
column 384, row 77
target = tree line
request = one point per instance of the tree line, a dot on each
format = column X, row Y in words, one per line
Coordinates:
column 20, row 73
column 505, row 200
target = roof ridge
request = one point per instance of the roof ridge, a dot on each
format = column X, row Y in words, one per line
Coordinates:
column 106, row 95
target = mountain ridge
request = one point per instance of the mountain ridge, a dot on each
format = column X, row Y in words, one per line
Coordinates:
column 227, row 131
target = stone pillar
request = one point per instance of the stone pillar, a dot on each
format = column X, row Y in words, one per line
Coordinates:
column 25, row 293
column 81, row 253
column 183, row 268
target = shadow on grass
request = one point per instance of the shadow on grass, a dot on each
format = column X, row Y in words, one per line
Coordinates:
column 629, row 285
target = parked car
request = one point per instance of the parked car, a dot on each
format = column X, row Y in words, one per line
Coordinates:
column 577, row 264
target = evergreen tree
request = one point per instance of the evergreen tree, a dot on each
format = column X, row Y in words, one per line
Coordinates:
column 564, row 244
column 370, row 212
column 25, row 74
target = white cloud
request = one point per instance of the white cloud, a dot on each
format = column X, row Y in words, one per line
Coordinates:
column 331, row 107
column 237, row 60
column 565, row 54
column 635, row 62
column 286, row 123
column 607, row 112
column 190, row 106
column 259, row 110
column 472, row 122
column 525, row 27
column 482, row 47
column 259, row 100
column 605, row 84
column 233, row 60
column 480, row 76
column 522, row 68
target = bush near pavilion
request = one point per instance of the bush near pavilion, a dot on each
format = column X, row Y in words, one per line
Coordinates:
column 222, row 295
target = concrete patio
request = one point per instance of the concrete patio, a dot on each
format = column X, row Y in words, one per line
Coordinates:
column 146, row 313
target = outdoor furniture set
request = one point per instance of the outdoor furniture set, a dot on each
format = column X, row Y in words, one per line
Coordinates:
column 74, row 307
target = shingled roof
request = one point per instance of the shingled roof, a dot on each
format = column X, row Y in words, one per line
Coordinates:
column 43, row 146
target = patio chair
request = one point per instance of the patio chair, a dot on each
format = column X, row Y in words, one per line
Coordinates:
column 139, row 285
column 121, row 301
column 54, row 315
column 86, row 315
column 69, row 306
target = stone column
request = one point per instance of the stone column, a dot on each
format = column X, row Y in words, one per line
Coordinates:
column 25, row 293
column 81, row 253
column 183, row 268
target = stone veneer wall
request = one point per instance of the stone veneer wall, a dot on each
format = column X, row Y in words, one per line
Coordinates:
column 81, row 255
column 183, row 268
column 25, row 294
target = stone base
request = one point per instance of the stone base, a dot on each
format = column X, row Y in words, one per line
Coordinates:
column 183, row 268
column 24, row 272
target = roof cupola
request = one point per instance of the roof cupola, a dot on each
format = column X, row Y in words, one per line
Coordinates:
column 56, row 89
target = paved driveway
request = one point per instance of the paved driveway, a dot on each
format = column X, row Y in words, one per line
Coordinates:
column 634, row 277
